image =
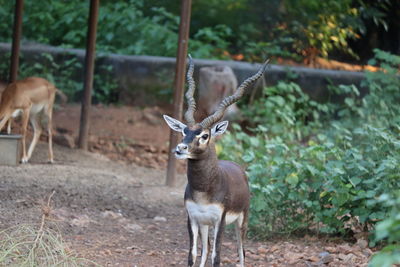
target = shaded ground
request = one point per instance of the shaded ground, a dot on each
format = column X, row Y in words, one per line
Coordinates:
column 117, row 213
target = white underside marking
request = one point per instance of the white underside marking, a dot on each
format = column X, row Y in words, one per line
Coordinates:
column 16, row 113
column 231, row 217
column 36, row 108
column 208, row 214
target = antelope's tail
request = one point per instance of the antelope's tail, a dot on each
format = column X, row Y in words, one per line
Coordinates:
column 63, row 96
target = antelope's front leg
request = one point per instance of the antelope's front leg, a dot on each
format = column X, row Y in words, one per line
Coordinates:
column 204, row 246
column 218, row 232
column 193, row 230
column 9, row 125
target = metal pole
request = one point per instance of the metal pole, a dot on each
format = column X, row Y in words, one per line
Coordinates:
column 17, row 30
column 179, row 84
column 89, row 69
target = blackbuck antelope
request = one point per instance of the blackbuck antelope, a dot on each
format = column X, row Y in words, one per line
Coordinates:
column 29, row 97
column 217, row 192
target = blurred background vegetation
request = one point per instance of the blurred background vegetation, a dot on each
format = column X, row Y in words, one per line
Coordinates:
column 249, row 30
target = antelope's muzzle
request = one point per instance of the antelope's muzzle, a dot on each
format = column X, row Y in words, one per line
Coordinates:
column 182, row 151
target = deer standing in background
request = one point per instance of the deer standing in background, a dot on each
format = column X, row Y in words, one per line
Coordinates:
column 217, row 192
column 29, row 97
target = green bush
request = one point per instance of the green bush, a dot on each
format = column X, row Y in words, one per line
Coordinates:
column 388, row 230
column 317, row 173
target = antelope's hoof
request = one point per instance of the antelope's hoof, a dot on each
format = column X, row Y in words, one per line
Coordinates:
column 50, row 161
column 24, row 160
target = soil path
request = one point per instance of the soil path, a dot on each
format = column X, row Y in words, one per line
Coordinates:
column 122, row 215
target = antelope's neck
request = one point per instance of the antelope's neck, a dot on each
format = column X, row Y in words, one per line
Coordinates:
column 202, row 173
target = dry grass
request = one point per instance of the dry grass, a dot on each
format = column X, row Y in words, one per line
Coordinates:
column 37, row 245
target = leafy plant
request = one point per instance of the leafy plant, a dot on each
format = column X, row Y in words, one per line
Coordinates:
column 321, row 174
column 287, row 111
column 388, row 230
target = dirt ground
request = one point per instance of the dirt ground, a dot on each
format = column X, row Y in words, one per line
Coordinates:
column 112, row 207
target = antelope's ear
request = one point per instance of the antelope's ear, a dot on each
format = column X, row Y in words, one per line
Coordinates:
column 174, row 124
column 219, row 128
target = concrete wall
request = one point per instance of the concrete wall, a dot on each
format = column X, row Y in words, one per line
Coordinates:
column 142, row 79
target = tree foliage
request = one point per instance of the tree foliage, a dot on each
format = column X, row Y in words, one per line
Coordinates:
column 240, row 29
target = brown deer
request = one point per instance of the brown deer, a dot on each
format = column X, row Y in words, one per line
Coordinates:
column 29, row 97
column 217, row 192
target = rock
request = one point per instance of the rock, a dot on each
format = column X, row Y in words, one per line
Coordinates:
column 254, row 256
column 131, row 227
column 362, row 243
column 152, row 227
column 345, row 248
column 151, row 149
column 111, row 214
column 293, row 257
column 152, row 253
column 331, row 249
column 64, row 140
column 367, row 252
column 313, row 258
column 160, row 219
column 325, row 257
column 262, row 250
column 349, row 258
column 323, row 254
column 274, row 248
column 81, row 221
column 215, row 83
column 226, row 260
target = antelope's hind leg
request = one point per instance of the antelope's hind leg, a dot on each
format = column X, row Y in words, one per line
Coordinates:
column 49, row 113
column 219, row 228
column 25, row 119
column 37, row 131
column 241, row 230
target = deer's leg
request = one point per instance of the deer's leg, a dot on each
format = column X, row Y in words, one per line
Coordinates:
column 9, row 125
column 193, row 229
column 204, row 241
column 241, row 229
column 37, row 131
column 49, row 113
column 3, row 122
column 218, row 232
column 25, row 118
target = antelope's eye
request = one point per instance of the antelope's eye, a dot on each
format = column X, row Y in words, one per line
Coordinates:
column 204, row 136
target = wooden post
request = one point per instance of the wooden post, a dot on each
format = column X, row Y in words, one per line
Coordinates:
column 89, row 69
column 179, row 85
column 17, row 30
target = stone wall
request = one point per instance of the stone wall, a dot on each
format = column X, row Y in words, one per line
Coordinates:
column 144, row 80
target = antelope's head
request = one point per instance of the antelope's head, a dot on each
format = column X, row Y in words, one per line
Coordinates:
column 198, row 136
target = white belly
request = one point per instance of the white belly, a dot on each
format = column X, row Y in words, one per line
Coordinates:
column 36, row 108
column 209, row 214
